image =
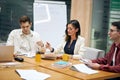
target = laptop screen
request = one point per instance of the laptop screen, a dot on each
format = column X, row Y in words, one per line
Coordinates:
column 6, row 53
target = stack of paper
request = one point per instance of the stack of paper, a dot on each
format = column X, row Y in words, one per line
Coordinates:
column 32, row 74
column 83, row 68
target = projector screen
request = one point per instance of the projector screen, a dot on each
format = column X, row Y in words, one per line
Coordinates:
column 50, row 21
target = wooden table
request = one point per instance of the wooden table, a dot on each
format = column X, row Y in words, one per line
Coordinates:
column 48, row 65
column 9, row 73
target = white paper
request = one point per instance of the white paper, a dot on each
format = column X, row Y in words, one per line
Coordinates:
column 8, row 64
column 32, row 74
column 84, row 69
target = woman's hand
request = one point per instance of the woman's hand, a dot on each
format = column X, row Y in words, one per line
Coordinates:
column 48, row 45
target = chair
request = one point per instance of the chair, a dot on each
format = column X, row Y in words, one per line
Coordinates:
column 93, row 53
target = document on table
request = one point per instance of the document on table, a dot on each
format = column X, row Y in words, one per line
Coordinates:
column 83, row 68
column 9, row 63
column 32, row 74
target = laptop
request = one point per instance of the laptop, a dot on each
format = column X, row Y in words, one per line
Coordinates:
column 6, row 53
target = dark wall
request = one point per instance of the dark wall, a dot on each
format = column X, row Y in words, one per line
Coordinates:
column 12, row 10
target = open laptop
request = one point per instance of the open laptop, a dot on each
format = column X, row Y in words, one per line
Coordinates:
column 6, row 53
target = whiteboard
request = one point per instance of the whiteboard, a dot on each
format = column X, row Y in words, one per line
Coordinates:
column 50, row 22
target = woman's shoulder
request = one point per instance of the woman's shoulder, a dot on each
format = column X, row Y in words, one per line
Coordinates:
column 81, row 38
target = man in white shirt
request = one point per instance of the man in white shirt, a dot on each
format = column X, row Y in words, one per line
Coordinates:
column 24, row 40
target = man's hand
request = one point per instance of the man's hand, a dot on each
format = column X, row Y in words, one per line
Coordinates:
column 93, row 65
column 85, row 61
column 40, row 43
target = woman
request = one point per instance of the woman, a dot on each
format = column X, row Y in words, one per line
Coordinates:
column 73, row 43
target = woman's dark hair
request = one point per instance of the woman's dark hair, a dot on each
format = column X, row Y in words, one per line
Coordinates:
column 76, row 25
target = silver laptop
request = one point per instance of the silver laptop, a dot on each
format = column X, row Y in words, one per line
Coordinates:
column 6, row 53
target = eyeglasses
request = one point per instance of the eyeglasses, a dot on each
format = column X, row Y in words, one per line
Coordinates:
column 113, row 30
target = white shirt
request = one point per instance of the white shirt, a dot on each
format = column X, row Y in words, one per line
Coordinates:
column 78, row 50
column 114, row 56
column 23, row 44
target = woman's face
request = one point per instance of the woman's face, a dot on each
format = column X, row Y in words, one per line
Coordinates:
column 71, row 30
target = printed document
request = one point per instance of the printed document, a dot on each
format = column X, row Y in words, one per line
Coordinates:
column 32, row 74
column 83, row 68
